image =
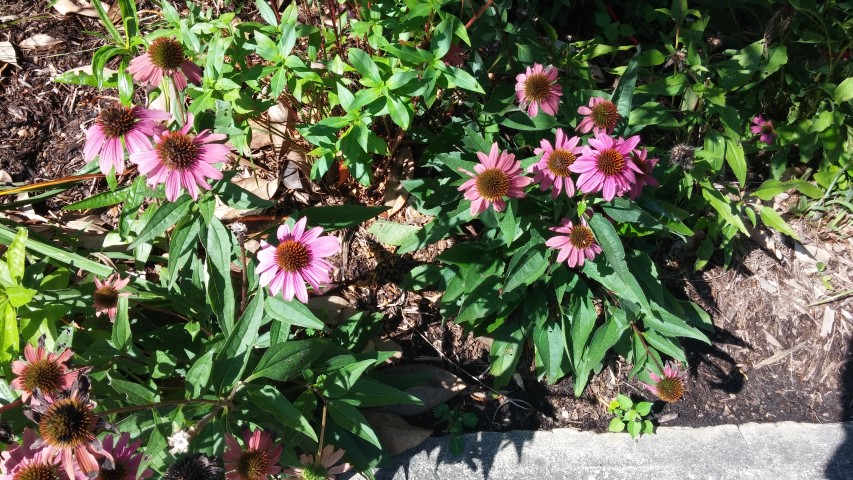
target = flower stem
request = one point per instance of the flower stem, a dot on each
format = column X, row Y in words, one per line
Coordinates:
column 478, row 14
column 646, row 345
column 322, row 432
column 165, row 403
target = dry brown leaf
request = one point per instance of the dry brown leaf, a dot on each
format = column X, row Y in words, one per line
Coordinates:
column 8, row 53
column 39, row 40
column 332, row 309
column 438, row 387
column 78, row 7
column 395, row 434
column 262, row 188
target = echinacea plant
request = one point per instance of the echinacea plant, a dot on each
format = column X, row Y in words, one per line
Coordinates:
column 576, row 243
column 164, row 59
column 195, row 466
column 498, row 175
column 763, row 128
column 671, row 386
column 107, row 293
column 117, row 128
column 256, row 461
column 537, row 89
column 599, row 117
column 125, row 459
column 27, row 461
column 320, row 467
column 552, row 169
column 43, row 371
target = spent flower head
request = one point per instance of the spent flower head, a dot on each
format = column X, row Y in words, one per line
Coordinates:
column 606, row 166
column 764, row 128
column 299, row 257
column 552, row 170
column 257, row 461
column 600, row 116
column 194, row 467
column 183, row 162
column 682, row 155
column 576, row 242
column 119, row 127
column 498, row 175
column 670, row 387
column 320, row 468
column 48, row 372
column 537, row 88
column 107, row 293
column 164, row 59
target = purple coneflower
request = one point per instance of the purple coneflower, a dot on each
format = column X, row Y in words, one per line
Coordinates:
column 298, row 258
column 47, row 372
column 671, row 387
column 553, row 168
column 23, row 462
column 601, row 116
column 126, row 460
column 765, row 128
column 107, row 293
column 647, row 165
column 68, row 430
column 606, row 166
column 498, row 175
column 118, row 127
column 194, row 467
column 164, row 58
column 323, row 467
column 576, row 243
column 537, row 88
column 258, row 461
column 182, row 161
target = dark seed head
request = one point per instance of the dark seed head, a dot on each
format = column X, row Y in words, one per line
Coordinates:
column 253, row 465
column 292, row 256
column 116, row 120
column 117, row 473
column 492, row 184
column 681, row 155
column 559, row 161
column 166, row 53
column 67, row 423
column 177, row 151
column 194, row 467
column 610, row 162
column 106, row 296
column 537, row 87
column 581, row 237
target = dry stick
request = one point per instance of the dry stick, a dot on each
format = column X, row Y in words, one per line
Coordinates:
column 10, row 405
column 833, row 298
column 322, row 433
column 478, row 14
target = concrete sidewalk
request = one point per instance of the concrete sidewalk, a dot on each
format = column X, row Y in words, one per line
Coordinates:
column 777, row 451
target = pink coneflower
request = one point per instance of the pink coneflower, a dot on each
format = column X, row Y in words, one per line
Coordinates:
column 23, row 462
column 553, row 167
column 576, row 243
column 605, row 166
column 498, row 175
column 671, row 387
column 69, row 428
column 164, row 58
column 181, row 161
column 763, row 127
column 47, row 372
column 118, row 126
column 126, row 460
column 107, row 293
column 647, row 165
column 321, row 467
column 601, row 116
column 298, row 258
column 257, row 462
column 538, row 88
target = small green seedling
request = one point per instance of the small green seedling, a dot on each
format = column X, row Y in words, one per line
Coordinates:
column 456, row 420
column 629, row 416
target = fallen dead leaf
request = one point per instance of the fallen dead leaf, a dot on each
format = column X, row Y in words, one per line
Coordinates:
column 78, row 7
column 332, row 309
column 8, row 53
column 39, row 40
column 263, row 188
column 395, row 434
column 437, row 387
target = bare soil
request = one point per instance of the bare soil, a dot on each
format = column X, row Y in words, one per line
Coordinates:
column 777, row 354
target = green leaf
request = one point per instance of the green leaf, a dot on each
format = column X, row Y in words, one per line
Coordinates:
column 121, row 328
column 135, row 393
column 9, row 337
column 643, row 408
column 364, row 65
column 338, row 216
column 461, row 78
column 182, row 247
column 231, row 361
column 104, row 199
column 523, row 122
column 368, row 392
column 844, row 91
column 217, row 243
column 105, row 20
column 283, row 361
column 57, row 254
column 19, row 295
column 723, row 206
column 613, row 250
column 292, row 312
column 166, row 216
column 16, row 255
column 506, row 351
column 772, row 187
column 616, row 425
column 338, row 382
column 775, row 221
column 266, row 12
column 736, row 160
column 392, row 233
column 623, row 96
column 198, row 376
column 271, row 401
column 353, row 421
column 634, row 429
column 526, row 266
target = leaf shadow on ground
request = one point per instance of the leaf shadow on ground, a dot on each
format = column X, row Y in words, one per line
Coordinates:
column 840, row 465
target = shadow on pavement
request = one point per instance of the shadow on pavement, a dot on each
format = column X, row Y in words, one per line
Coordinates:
column 840, row 467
